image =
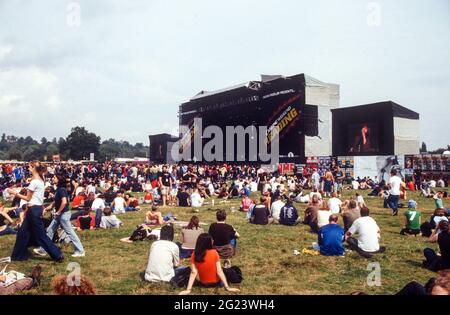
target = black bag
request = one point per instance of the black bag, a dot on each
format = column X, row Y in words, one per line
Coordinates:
column 233, row 274
column 181, row 278
column 139, row 234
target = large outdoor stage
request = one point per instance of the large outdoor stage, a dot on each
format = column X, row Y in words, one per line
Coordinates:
column 305, row 111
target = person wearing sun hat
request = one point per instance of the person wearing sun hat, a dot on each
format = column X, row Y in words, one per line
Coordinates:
column 412, row 219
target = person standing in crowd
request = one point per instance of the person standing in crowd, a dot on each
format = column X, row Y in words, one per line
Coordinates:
column 412, row 219
column 62, row 218
column 331, row 238
column 315, row 180
column 395, row 183
column 328, row 183
column 339, row 177
column 33, row 225
column 165, row 184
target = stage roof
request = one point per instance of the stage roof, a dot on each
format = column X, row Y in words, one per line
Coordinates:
column 397, row 110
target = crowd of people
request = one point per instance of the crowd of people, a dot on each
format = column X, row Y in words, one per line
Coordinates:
column 90, row 196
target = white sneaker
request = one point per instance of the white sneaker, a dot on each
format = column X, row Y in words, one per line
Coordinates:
column 78, row 255
column 40, row 252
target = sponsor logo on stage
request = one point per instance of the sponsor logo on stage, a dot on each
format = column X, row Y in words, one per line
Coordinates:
column 286, row 119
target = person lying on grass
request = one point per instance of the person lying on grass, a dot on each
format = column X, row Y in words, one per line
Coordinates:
column 206, row 270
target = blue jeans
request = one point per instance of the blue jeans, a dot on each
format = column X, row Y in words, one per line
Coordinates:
column 8, row 231
column 393, row 202
column 64, row 221
column 184, row 253
column 32, row 228
column 98, row 217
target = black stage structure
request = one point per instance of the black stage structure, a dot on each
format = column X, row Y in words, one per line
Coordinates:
column 274, row 100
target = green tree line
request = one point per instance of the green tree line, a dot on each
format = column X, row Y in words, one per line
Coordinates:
column 78, row 145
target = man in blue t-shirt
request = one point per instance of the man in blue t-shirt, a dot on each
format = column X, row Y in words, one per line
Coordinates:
column 331, row 238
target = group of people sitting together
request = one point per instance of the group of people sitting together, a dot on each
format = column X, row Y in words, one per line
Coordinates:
column 89, row 197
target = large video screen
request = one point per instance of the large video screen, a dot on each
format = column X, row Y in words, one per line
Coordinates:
column 362, row 138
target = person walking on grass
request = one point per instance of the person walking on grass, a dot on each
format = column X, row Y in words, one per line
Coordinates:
column 62, row 218
column 33, row 225
column 394, row 185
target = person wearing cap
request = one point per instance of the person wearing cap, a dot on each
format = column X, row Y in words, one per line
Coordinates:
column 412, row 219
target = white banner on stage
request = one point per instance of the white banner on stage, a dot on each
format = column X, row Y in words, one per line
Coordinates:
column 378, row 167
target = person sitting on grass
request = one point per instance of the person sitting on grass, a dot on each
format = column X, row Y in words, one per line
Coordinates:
column 289, row 214
column 109, row 220
column 412, row 219
column 323, row 216
column 311, row 211
column 154, row 217
column 5, row 229
column 350, row 212
column 131, row 203
column 224, row 237
column 261, row 213
column 189, row 235
column 441, row 235
column 86, row 221
column 246, row 203
column 164, row 257
column 118, row 205
column 331, row 238
column 427, row 228
column 183, row 198
column 206, row 269
column 276, row 207
column 196, row 200
column 367, row 242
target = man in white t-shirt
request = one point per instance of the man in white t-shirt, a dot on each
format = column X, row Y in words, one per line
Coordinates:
column 368, row 235
column 196, row 199
column 334, row 204
column 315, row 179
column 394, row 191
column 164, row 257
column 276, row 208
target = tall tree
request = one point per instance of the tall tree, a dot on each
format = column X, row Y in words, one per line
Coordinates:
column 81, row 143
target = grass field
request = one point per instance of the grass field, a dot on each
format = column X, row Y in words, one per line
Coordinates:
column 265, row 255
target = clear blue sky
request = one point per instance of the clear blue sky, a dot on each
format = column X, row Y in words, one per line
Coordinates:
column 125, row 69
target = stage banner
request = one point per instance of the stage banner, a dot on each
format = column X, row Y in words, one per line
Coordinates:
column 378, row 167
